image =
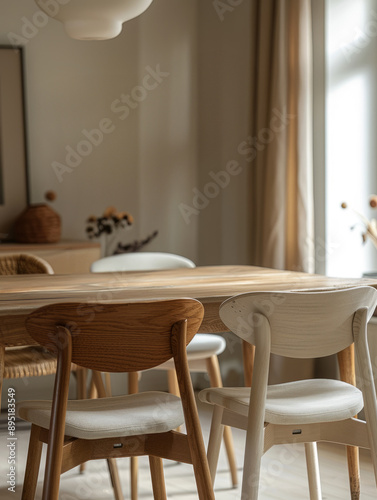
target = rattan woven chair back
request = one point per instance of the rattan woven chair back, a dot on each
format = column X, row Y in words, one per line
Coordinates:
column 23, row 264
column 30, row 361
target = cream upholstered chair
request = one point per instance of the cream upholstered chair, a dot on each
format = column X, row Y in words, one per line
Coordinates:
column 299, row 325
column 201, row 352
column 120, row 338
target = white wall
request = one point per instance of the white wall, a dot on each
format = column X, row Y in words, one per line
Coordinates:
column 224, row 123
column 168, row 126
column 72, row 85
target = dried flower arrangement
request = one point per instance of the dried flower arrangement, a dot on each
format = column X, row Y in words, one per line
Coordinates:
column 135, row 245
column 370, row 226
column 109, row 224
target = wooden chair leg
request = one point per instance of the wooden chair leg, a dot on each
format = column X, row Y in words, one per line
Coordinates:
column 353, row 460
column 81, row 376
column 229, row 448
column 108, row 383
column 32, row 465
column 251, row 468
column 313, row 471
column 158, row 480
column 98, row 383
column 214, row 373
column 92, row 393
column 133, row 388
column 134, row 473
column 346, row 360
column 248, row 354
column 193, row 428
column 81, row 383
column 173, row 383
column 115, row 481
column 173, row 387
column 199, row 460
column 214, row 443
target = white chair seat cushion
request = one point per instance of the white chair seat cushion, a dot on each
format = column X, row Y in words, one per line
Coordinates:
column 205, row 345
column 144, row 413
column 202, row 346
column 301, row 402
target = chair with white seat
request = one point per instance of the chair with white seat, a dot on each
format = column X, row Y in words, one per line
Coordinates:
column 298, row 325
column 138, row 336
column 35, row 361
column 202, row 352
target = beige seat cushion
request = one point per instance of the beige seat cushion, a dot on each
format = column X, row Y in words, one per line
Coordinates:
column 302, row 402
column 204, row 345
column 144, row 413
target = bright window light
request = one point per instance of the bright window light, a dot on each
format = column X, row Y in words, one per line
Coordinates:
column 351, row 139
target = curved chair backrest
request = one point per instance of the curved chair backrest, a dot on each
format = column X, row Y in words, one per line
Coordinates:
column 23, row 264
column 302, row 324
column 140, row 261
column 116, row 337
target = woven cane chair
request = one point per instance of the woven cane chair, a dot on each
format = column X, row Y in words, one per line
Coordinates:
column 30, row 361
column 120, row 338
column 299, row 325
column 202, row 352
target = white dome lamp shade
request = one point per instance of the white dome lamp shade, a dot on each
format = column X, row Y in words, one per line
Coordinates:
column 94, row 19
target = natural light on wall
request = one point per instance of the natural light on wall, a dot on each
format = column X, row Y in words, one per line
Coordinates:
column 351, row 44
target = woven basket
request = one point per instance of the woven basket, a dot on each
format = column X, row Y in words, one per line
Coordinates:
column 37, row 224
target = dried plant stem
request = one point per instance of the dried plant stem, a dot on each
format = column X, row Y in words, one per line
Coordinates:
column 362, row 217
column 372, row 235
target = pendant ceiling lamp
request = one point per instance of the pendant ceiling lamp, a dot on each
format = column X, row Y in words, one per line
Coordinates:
column 95, row 19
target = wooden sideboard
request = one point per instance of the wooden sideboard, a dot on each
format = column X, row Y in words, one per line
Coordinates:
column 65, row 257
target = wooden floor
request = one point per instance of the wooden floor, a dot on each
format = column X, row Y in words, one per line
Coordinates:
column 283, row 474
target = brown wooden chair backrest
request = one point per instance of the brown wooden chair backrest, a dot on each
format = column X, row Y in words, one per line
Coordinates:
column 117, row 337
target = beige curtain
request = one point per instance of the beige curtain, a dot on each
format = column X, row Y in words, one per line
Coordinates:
column 282, row 192
column 281, row 139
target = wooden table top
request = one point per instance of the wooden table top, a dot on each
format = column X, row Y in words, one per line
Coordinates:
column 21, row 294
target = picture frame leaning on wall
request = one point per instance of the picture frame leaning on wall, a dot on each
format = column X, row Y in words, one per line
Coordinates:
column 13, row 157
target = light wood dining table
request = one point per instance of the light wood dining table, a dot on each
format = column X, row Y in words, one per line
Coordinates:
column 22, row 294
